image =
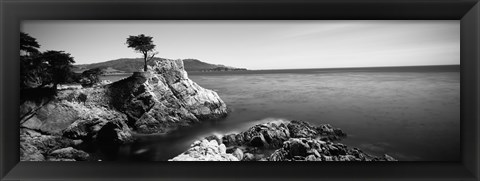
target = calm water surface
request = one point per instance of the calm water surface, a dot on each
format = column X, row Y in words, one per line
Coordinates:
column 410, row 114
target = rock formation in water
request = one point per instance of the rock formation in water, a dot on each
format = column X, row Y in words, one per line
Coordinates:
column 206, row 151
column 76, row 121
column 284, row 141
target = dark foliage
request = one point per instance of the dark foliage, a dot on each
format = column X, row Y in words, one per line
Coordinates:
column 28, row 44
column 142, row 44
column 82, row 98
column 43, row 69
column 59, row 66
column 91, row 77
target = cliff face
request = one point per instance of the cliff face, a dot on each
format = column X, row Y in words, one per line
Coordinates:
column 164, row 98
column 156, row 101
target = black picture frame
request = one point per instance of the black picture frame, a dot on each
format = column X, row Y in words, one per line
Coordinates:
column 14, row 11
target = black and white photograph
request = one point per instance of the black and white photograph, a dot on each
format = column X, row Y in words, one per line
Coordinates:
column 239, row 90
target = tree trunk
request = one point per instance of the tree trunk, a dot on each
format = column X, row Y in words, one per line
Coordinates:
column 145, row 66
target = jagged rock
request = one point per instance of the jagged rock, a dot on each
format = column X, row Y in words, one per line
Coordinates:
column 248, row 157
column 69, row 153
column 28, row 152
column 389, row 158
column 311, row 158
column 29, row 108
column 311, row 149
column 93, row 120
column 278, row 155
column 230, row 139
column 214, row 137
column 291, row 141
column 68, row 117
column 222, row 148
column 300, row 129
column 157, row 101
column 266, row 135
column 205, row 151
column 296, row 147
column 164, row 98
column 238, row 153
column 35, row 146
column 326, row 128
column 273, row 134
column 45, row 143
column 52, row 118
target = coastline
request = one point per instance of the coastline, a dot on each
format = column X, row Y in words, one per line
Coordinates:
column 74, row 124
column 278, row 141
column 152, row 86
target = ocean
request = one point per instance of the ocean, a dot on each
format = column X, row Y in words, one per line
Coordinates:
column 409, row 113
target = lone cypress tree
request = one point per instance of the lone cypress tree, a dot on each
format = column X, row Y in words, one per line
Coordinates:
column 142, row 44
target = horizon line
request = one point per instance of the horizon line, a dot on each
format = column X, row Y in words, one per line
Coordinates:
column 363, row 67
column 283, row 68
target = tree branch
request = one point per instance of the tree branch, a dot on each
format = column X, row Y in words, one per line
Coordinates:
column 153, row 54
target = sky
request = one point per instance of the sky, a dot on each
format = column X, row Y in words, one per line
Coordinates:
column 260, row 44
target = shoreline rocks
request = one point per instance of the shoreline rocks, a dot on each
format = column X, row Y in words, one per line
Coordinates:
column 75, row 122
column 35, row 146
column 308, row 149
column 273, row 134
column 205, row 151
column 286, row 141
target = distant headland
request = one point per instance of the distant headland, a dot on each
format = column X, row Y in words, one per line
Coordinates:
column 130, row 65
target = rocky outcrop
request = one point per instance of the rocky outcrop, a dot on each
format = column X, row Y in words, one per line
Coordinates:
column 80, row 116
column 157, row 101
column 288, row 141
column 69, row 153
column 309, row 149
column 164, row 98
column 273, row 134
column 35, row 146
column 205, row 151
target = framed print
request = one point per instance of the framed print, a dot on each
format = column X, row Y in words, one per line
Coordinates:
column 279, row 89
